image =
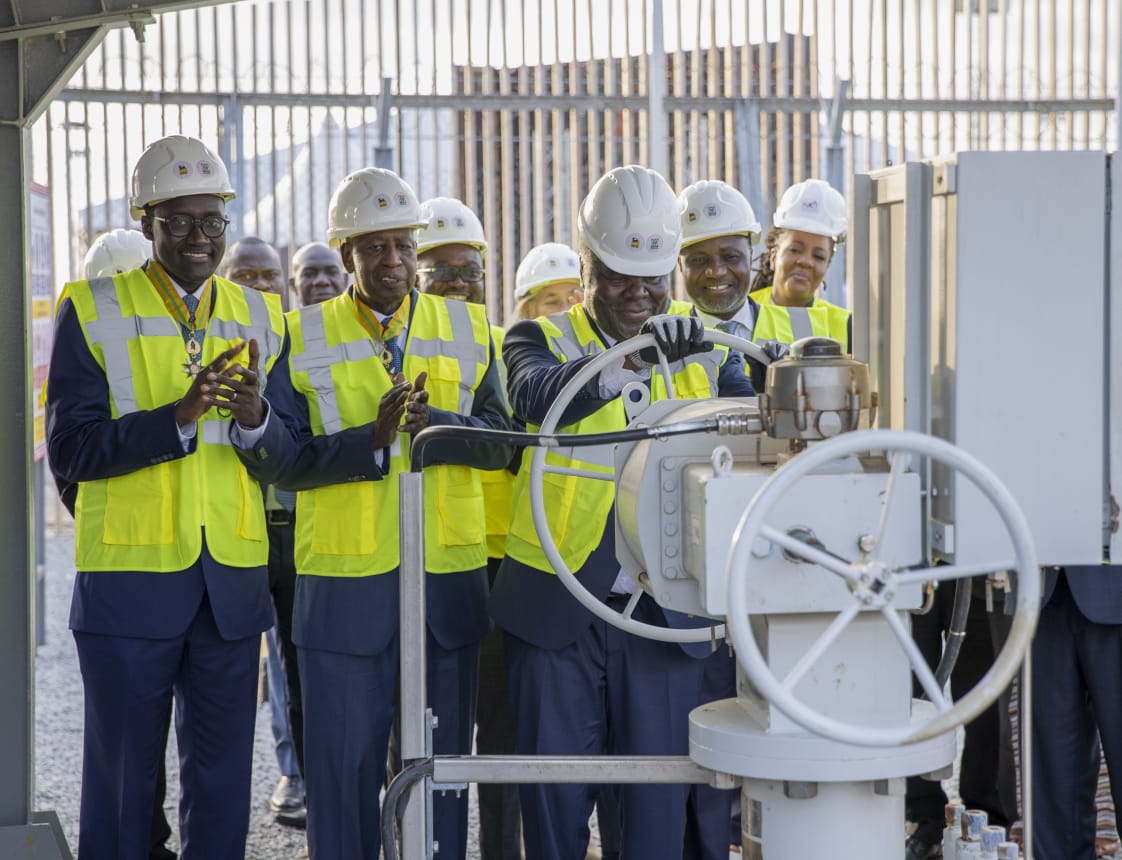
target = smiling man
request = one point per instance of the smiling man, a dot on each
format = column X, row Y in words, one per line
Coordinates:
column 578, row 685
column 371, row 367
column 155, row 410
column 718, row 231
column 450, row 251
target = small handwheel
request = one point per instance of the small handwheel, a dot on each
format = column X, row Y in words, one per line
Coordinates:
column 605, row 471
column 873, row 581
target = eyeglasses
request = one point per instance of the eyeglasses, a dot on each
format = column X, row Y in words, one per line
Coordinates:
column 467, row 274
column 179, row 226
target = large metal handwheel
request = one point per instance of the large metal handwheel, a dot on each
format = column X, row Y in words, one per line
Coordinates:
column 873, row 581
column 538, row 467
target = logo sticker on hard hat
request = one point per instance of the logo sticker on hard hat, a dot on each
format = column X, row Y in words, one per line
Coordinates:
column 691, row 216
column 712, row 210
column 402, row 200
column 383, row 201
column 440, row 224
column 205, row 168
column 810, row 204
column 654, row 243
column 635, row 242
column 460, row 222
column 182, row 168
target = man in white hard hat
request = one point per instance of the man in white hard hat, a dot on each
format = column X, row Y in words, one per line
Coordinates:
column 450, row 251
column 578, row 685
column 809, row 223
column 547, row 281
column 372, row 367
column 113, row 253
column 317, row 273
column 155, row 410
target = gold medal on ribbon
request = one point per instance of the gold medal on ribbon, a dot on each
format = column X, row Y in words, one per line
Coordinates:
column 193, row 324
column 383, row 333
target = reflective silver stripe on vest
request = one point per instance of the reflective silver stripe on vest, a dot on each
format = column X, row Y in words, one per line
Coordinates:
column 216, row 432
column 259, row 318
column 463, row 347
column 319, row 372
column 112, row 333
column 567, row 341
column 800, row 322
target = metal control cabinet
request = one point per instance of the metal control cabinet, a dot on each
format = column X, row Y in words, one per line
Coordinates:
column 987, row 306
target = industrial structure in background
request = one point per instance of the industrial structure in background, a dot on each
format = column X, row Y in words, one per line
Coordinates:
column 516, row 107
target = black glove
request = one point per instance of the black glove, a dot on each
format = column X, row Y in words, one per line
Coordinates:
column 774, row 349
column 757, row 371
column 676, row 336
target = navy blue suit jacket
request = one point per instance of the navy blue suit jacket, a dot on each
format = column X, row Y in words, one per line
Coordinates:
column 359, row 615
column 85, row 443
column 1096, row 589
column 532, row 604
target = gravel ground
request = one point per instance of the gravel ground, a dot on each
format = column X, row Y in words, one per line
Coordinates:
column 58, row 730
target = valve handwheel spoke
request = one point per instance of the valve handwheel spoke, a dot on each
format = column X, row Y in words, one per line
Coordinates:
column 579, row 473
column 828, row 637
column 915, row 657
column 942, row 573
column 882, row 526
column 810, row 553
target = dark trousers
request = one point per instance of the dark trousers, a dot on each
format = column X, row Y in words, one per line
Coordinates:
column 712, row 813
column 282, row 587
column 128, row 686
column 500, row 819
column 608, row 692
column 987, row 776
column 1077, row 699
column 161, row 829
column 351, row 703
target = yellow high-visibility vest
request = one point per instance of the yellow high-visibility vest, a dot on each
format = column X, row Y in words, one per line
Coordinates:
column 788, row 324
column 153, row 519
column 498, row 484
column 352, row 529
column 577, row 508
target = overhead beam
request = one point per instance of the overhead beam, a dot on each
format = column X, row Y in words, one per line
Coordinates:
column 61, row 26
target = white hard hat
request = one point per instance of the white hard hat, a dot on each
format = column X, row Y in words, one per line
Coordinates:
column 177, row 166
column 370, row 200
column 813, row 207
column 714, row 208
column 551, row 263
column 629, row 220
column 115, row 252
column 450, row 222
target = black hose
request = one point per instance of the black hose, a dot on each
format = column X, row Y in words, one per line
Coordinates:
column 956, row 631
column 398, row 795
column 558, row 440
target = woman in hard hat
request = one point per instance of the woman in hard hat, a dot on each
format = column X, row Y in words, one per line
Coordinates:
column 809, row 223
column 547, row 281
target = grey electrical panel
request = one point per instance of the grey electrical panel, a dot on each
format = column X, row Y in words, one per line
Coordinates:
column 984, row 300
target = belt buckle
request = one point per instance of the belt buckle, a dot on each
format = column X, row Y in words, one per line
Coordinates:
column 278, row 517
